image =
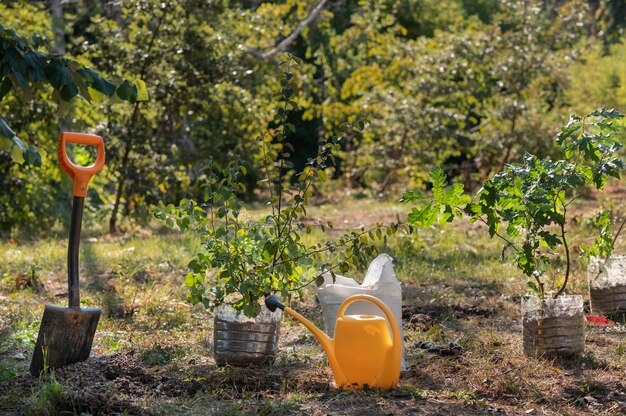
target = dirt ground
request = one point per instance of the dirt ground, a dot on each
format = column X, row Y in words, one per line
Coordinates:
column 481, row 372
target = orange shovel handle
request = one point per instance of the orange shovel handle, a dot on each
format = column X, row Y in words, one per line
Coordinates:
column 80, row 174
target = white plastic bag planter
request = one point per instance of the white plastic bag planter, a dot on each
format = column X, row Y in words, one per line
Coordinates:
column 553, row 326
column 242, row 341
column 380, row 281
column 607, row 284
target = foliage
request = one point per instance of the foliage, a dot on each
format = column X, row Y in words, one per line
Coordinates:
column 208, row 100
column 526, row 205
column 466, row 85
column 23, row 65
column 38, row 90
column 470, row 98
column 444, row 204
column 254, row 257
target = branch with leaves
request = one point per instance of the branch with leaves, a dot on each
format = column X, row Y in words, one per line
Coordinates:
column 525, row 205
column 282, row 45
column 23, row 66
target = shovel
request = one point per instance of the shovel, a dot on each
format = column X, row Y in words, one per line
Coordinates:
column 66, row 334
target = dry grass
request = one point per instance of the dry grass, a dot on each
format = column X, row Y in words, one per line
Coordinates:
column 152, row 352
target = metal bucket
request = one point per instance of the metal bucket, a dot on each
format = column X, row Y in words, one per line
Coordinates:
column 553, row 327
column 245, row 343
column 608, row 301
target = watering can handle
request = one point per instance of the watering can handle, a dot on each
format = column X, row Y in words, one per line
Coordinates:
column 80, row 174
column 381, row 305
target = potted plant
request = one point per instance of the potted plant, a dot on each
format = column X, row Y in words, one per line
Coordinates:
column 526, row 206
column 243, row 258
column 606, row 271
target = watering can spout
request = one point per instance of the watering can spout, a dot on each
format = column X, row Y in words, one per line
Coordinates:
column 272, row 302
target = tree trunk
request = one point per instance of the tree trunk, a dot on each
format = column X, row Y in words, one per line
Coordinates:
column 129, row 144
column 58, row 25
column 120, row 190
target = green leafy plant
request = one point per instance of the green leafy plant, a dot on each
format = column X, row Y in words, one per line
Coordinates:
column 23, row 65
column 526, row 205
column 604, row 242
column 244, row 259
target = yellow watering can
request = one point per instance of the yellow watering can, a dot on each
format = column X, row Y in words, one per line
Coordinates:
column 363, row 351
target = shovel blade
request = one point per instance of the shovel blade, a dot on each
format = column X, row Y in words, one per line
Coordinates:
column 65, row 337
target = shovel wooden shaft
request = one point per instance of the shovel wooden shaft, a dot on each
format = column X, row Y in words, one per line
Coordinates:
column 72, row 252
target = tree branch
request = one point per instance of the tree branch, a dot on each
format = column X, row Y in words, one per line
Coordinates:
column 282, row 45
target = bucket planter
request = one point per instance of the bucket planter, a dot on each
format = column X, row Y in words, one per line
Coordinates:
column 241, row 341
column 607, row 285
column 553, row 327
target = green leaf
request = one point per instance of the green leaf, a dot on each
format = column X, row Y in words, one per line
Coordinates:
column 5, row 87
column 425, row 216
column 606, row 113
column 142, row 90
column 569, row 129
column 32, row 156
column 96, row 82
column 69, row 91
column 438, row 179
column 525, row 259
column 127, row 91
column 35, row 67
column 6, row 131
column 17, row 155
column 57, row 74
column 412, row 196
column 488, row 195
column 552, row 240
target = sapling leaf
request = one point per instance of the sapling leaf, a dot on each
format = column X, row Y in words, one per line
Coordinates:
column 533, row 287
column 492, row 222
column 487, row 195
column 425, row 216
column 606, row 113
column 412, row 196
column 525, row 259
column 438, row 179
column 552, row 240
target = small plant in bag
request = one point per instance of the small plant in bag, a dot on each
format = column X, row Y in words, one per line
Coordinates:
column 527, row 206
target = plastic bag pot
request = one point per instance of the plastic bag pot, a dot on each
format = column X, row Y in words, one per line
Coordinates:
column 553, row 327
column 242, row 341
column 607, row 285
